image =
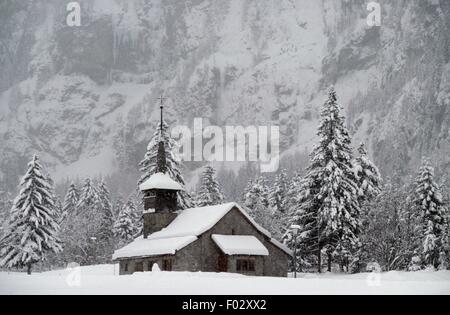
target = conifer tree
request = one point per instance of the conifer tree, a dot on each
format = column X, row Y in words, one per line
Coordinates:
column 278, row 193
column 293, row 193
column 367, row 175
column 278, row 203
column 106, row 212
column 148, row 166
column 70, row 201
column 210, row 192
column 88, row 197
column 256, row 199
column 33, row 227
column 118, row 204
column 124, row 227
column 428, row 200
column 369, row 181
column 328, row 208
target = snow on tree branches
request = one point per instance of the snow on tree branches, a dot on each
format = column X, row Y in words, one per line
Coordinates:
column 256, row 199
column 125, row 226
column 33, row 227
column 277, row 195
column 88, row 230
column 107, row 217
column 367, row 175
column 210, row 192
column 328, row 209
column 428, row 200
column 70, row 201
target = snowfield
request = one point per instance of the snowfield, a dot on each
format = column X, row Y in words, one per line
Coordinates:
column 103, row 279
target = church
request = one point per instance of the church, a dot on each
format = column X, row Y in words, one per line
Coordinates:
column 219, row 238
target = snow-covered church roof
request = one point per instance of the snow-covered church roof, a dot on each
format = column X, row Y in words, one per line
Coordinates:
column 142, row 247
column 187, row 226
column 160, row 181
column 240, row 245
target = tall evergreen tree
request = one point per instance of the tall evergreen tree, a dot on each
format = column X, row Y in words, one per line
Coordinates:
column 428, row 200
column 293, row 193
column 118, row 205
column 368, row 179
column 278, row 193
column 105, row 243
column 210, row 192
column 367, row 175
column 106, row 212
column 33, row 227
column 70, row 201
column 279, row 204
column 124, row 227
column 256, row 199
column 328, row 209
column 148, row 166
column 88, row 197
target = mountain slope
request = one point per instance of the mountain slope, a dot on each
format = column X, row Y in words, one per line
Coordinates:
column 85, row 97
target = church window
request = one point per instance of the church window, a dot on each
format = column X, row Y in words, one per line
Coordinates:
column 245, row 265
column 167, row 264
column 139, row 267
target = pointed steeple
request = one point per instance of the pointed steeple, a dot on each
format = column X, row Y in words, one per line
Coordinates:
column 161, row 157
column 160, row 191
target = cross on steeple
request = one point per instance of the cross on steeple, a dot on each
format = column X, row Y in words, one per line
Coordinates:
column 161, row 157
column 161, row 100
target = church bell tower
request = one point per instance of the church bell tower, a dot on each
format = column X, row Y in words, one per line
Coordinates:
column 160, row 192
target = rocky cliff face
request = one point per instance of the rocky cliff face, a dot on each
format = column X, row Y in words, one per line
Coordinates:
column 85, row 97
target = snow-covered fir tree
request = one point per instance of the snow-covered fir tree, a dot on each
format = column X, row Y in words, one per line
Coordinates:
column 70, row 201
column 292, row 193
column 137, row 214
column 328, row 208
column 369, row 183
column 124, row 227
column 148, row 166
column 367, row 175
column 118, row 204
column 107, row 223
column 54, row 197
column 88, row 197
column 256, row 199
column 33, row 227
column 278, row 203
column 428, row 200
column 210, row 192
column 278, row 192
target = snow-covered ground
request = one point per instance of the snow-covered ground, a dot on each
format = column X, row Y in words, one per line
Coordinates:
column 103, row 279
